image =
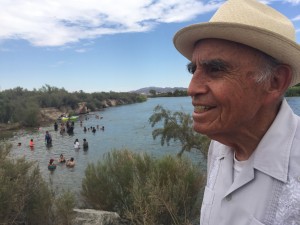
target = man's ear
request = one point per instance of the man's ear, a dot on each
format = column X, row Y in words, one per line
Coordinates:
column 280, row 81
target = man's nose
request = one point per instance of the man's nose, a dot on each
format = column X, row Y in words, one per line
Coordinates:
column 198, row 84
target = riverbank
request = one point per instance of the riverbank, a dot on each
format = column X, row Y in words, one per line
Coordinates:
column 51, row 114
column 46, row 117
column 7, row 130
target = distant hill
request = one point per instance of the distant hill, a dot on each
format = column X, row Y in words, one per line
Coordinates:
column 146, row 90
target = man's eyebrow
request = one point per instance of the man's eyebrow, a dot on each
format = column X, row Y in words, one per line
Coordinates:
column 215, row 62
column 191, row 67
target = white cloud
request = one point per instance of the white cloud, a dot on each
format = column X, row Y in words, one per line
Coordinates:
column 297, row 18
column 267, row 2
column 295, row 2
column 56, row 22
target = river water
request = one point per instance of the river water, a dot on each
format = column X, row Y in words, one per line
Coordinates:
column 125, row 127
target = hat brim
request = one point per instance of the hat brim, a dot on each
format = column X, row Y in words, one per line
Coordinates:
column 277, row 46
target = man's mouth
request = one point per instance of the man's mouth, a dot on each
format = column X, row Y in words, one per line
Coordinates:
column 202, row 108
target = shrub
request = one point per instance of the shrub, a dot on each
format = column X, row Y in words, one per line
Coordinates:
column 107, row 184
column 24, row 197
column 143, row 189
column 293, row 91
column 64, row 206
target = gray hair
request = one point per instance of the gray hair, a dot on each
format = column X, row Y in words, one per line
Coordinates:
column 268, row 64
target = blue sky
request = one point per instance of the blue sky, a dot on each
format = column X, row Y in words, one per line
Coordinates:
column 101, row 45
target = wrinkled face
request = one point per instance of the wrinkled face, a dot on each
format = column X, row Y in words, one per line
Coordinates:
column 226, row 97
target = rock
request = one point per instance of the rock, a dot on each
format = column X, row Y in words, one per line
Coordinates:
column 49, row 114
column 92, row 217
column 82, row 108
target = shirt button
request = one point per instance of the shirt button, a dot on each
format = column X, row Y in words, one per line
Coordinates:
column 228, row 197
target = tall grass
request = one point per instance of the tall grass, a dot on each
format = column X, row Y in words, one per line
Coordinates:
column 144, row 189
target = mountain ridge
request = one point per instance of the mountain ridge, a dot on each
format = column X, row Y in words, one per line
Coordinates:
column 146, row 90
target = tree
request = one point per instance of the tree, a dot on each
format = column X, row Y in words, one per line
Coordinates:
column 152, row 92
column 178, row 126
column 22, row 106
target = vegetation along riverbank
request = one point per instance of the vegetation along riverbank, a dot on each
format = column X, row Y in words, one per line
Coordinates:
column 142, row 189
column 22, row 108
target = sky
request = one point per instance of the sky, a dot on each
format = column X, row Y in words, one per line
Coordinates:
column 102, row 45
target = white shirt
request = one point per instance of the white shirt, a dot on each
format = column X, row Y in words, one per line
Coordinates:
column 237, row 166
column 267, row 189
column 76, row 145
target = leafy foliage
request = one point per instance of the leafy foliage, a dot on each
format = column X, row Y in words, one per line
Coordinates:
column 176, row 93
column 293, row 91
column 143, row 189
column 177, row 126
column 23, row 106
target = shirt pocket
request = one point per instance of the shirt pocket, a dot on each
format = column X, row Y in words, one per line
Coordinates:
column 255, row 222
column 207, row 204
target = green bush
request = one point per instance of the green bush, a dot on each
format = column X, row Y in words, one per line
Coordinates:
column 293, row 91
column 23, row 106
column 144, row 189
column 24, row 196
column 64, row 206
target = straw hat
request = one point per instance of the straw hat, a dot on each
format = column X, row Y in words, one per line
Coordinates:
column 251, row 23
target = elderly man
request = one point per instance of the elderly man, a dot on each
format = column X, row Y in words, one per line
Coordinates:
column 243, row 60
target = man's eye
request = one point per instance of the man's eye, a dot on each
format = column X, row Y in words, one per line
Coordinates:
column 213, row 69
column 191, row 67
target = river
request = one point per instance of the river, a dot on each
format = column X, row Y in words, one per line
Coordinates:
column 125, row 127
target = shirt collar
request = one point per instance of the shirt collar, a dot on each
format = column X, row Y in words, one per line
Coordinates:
column 272, row 154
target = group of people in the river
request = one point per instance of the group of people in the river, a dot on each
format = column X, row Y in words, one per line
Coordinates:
column 69, row 163
column 68, row 127
column 48, row 141
column 93, row 129
column 85, row 144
